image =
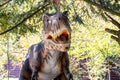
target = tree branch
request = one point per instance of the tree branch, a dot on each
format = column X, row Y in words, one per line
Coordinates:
column 5, row 3
column 114, row 32
column 15, row 26
column 113, row 21
column 103, row 7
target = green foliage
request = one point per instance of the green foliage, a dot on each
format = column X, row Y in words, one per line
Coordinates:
column 89, row 40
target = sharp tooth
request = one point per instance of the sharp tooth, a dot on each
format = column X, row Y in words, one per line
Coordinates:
column 59, row 34
column 59, row 31
column 54, row 37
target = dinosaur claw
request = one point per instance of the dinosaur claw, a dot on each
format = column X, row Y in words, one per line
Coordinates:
column 34, row 76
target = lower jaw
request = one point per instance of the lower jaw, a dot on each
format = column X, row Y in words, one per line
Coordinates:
column 50, row 45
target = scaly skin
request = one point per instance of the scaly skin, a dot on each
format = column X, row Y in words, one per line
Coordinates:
column 48, row 60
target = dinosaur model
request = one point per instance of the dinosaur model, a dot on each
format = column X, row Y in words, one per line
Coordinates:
column 48, row 60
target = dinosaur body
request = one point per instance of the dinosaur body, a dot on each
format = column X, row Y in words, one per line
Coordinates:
column 48, row 60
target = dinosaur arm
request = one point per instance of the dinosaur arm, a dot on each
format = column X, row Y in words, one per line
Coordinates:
column 65, row 66
column 26, row 72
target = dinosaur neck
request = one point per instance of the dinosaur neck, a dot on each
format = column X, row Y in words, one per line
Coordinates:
column 53, row 57
column 50, row 52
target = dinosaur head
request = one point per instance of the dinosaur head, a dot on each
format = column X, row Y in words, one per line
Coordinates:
column 56, row 31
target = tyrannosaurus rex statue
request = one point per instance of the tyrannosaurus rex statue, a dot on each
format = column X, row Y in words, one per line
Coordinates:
column 48, row 60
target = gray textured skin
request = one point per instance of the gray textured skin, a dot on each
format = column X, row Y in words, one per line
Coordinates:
column 48, row 60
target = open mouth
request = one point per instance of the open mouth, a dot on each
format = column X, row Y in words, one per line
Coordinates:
column 61, row 37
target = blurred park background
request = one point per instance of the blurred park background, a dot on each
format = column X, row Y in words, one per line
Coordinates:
column 93, row 54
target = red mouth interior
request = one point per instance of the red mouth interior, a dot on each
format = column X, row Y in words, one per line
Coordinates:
column 49, row 37
column 64, row 37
